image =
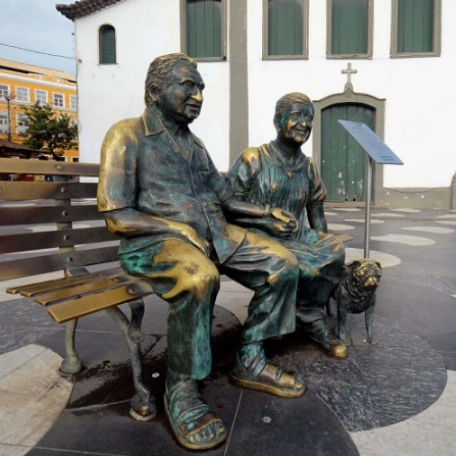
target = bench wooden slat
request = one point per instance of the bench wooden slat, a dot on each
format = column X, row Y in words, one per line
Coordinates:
column 33, row 289
column 16, row 215
column 49, row 239
column 86, row 305
column 20, row 191
column 78, row 290
column 56, row 261
column 52, row 167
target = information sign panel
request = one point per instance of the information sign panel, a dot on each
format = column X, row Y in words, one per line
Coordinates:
column 371, row 143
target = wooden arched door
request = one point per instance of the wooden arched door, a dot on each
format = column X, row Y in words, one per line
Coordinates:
column 343, row 161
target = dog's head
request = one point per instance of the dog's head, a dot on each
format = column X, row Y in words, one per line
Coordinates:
column 365, row 273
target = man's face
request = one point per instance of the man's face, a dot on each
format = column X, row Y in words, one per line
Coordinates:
column 296, row 124
column 182, row 98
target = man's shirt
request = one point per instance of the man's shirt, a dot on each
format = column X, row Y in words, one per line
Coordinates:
column 143, row 168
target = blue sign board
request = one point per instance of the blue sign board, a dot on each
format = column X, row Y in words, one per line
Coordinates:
column 371, row 143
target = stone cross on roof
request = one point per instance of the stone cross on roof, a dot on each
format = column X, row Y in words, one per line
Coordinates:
column 349, row 72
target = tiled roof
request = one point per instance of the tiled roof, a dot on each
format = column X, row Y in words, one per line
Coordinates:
column 12, row 65
column 84, row 8
column 13, row 146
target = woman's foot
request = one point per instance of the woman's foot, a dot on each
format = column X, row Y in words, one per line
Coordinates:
column 321, row 336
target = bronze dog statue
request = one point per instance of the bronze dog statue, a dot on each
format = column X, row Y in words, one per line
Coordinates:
column 355, row 293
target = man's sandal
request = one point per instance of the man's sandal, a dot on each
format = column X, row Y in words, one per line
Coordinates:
column 193, row 423
column 272, row 379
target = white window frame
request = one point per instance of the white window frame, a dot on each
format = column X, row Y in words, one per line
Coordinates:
column 54, row 94
column 73, row 102
column 37, row 91
column 24, row 91
column 20, row 128
column 3, row 122
column 3, row 91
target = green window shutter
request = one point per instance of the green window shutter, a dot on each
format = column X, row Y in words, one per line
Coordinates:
column 415, row 26
column 107, row 44
column 285, row 27
column 349, row 27
column 204, row 28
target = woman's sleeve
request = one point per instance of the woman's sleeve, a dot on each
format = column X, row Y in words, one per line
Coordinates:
column 317, row 190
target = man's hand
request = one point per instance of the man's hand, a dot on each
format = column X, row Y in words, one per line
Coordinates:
column 196, row 239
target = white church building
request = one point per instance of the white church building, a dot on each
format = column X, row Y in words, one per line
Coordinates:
column 390, row 64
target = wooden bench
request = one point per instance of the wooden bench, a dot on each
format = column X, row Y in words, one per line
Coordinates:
column 70, row 239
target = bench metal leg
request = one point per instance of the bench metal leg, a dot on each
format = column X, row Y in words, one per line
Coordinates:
column 137, row 314
column 71, row 363
column 142, row 406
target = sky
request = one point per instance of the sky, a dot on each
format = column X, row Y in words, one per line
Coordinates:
column 36, row 25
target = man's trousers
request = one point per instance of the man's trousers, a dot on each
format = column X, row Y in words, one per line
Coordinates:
column 189, row 281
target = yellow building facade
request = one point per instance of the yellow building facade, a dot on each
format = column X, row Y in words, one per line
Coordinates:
column 23, row 84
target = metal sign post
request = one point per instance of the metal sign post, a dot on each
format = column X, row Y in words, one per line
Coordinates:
column 377, row 152
column 368, row 206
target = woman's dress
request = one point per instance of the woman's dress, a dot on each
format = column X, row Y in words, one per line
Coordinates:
column 258, row 176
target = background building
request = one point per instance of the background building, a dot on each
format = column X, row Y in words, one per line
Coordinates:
column 22, row 84
column 387, row 63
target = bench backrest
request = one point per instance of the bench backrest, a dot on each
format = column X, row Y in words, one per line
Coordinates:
column 51, row 225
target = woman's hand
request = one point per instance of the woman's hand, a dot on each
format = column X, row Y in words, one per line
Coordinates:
column 282, row 223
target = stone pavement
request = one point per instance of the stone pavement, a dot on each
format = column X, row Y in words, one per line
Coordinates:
column 393, row 398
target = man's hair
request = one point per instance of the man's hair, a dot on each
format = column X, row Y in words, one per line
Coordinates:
column 158, row 75
column 284, row 103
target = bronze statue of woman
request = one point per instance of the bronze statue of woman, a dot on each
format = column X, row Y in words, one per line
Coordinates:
column 278, row 174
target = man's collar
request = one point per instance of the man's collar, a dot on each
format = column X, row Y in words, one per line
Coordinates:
column 153, row 125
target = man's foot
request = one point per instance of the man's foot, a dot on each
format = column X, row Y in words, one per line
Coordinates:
column 271, row 379
column 193, row 423
column 322, row 337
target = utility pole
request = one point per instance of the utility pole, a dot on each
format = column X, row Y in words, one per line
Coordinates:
column 9, row 97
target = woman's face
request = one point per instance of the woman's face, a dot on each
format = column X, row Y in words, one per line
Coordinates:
column 296, row 123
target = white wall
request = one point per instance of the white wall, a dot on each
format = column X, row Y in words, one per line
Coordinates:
column 108, row 93
column 419, row 92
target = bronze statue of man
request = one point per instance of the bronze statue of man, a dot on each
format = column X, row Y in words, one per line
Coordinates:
column 160, row 191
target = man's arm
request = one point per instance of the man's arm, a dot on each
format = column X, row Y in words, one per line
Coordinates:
column 117, row 189
column 128, row 222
